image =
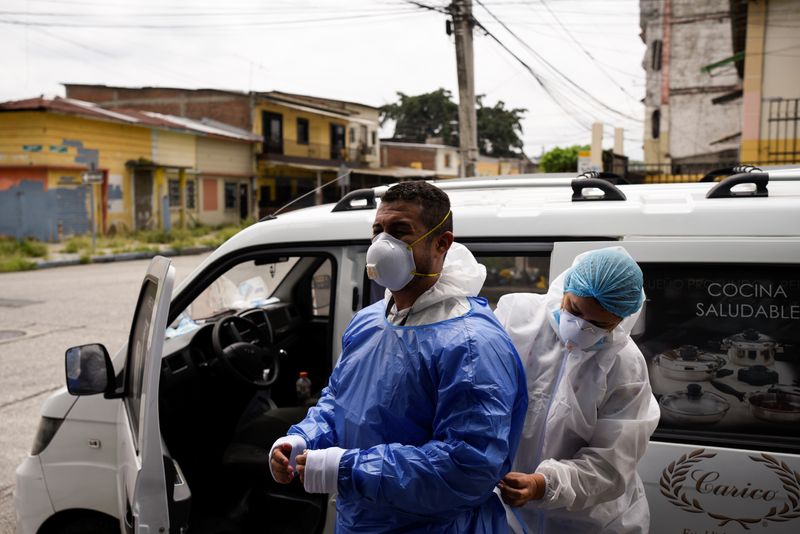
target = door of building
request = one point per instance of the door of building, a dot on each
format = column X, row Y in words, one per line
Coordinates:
column 273, row 132
column 244, row 206
column 337, row 141
column 143, row 199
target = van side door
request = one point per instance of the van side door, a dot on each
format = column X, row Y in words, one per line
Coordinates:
column 141, row 477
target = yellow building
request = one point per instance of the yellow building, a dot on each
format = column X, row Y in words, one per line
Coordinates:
column 146, row 170
column 311, row 141
column 304, row 142
column 771, row 101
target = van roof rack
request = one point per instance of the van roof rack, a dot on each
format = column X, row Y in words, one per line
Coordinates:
column 347, row 201
column 611, row 177
column 728, row 171
column 610, row 191
column 723, row 188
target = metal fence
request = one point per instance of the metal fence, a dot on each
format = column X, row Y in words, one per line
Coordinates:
column 783, row 119
column 673, row 173
column 686, row 172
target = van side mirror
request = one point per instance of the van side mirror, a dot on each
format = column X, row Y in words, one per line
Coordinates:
column 89, row 370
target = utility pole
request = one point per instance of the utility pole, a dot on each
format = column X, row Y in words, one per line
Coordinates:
column 467, row 118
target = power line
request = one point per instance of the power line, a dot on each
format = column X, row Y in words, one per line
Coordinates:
column 551, row 66
column 533, row 73
column 202, row 26
column 588, row 54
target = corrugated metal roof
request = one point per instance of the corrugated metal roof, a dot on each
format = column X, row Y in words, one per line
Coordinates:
column 71, row 106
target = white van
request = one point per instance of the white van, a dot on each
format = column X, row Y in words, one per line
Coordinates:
column 176, row 437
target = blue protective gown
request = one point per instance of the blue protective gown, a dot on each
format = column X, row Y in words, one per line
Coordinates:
column 430, row 417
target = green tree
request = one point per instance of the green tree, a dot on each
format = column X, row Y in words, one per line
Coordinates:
column 562, row 159
column 435, row 114
column 427, row 115
column 499, row 129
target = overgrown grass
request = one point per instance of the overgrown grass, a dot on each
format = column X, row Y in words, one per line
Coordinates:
column 18, row 256
column 9, row 264
column 76, row 244
column 15, row 255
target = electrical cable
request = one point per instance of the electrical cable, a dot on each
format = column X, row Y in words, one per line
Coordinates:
column 552, row 67
column 585, row 51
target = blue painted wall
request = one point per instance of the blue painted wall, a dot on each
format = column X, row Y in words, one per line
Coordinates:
column 27, row 210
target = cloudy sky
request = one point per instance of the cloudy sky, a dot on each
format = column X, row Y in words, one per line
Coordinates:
column 568, row 62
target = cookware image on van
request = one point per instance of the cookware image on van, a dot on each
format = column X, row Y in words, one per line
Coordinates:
column 751, row 347
column 778, row 404
column 757, row 375
column 693, row 406
column 689, row 364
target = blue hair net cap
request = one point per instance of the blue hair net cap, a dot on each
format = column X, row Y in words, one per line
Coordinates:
column 609, row 276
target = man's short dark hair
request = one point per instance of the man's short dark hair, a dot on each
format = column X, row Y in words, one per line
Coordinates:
column 434, row 203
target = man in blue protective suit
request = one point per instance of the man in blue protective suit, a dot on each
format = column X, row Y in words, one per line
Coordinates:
column 423, row 412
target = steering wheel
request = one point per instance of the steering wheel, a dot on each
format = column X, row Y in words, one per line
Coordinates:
column 245, row 351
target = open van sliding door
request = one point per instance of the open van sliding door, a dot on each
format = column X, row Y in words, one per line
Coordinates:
column 141, row 477
column 733, row 464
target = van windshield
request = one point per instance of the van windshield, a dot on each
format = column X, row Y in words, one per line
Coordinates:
column 245, row 285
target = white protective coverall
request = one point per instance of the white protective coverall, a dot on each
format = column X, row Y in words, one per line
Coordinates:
column 590, row 417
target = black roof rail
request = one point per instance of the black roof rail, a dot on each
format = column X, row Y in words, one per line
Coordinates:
column 723, row 188
column 728, row 171
column 610, row 177
column 610, row 191
column 346, row 203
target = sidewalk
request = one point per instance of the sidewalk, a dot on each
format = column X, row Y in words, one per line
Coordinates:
column 57, row 258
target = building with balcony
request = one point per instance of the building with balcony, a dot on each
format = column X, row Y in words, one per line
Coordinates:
column 306, row 143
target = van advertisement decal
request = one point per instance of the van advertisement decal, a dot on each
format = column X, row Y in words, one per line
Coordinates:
column 697, row 485
column 722, row 342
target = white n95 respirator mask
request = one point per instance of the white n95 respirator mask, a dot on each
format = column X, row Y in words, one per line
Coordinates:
column 577, row 333
column 390, row 262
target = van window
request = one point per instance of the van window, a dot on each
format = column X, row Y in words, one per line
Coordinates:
column 723, row 348
column 321, row 290
column 137, row 350
column 246, row 285
column 514, row 273
column 506, row 272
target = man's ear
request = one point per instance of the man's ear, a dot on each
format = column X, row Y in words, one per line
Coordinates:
column 444, row 241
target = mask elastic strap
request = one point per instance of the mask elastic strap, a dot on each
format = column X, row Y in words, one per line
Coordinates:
column 429, row 232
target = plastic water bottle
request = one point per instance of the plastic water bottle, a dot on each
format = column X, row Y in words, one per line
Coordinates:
column 303, row 387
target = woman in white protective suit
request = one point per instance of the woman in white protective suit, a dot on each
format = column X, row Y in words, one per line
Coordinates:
column 591, row 410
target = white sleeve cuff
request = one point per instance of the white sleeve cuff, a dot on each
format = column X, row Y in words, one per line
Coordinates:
column 556, row 494
column 298, row 446
column 321, row 474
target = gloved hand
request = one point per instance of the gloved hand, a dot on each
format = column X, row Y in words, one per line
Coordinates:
column 283, row 456
column 319, row 470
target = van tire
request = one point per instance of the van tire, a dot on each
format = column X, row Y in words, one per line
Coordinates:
column 92, row 524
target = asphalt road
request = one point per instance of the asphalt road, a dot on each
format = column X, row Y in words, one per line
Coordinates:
column 42, row 313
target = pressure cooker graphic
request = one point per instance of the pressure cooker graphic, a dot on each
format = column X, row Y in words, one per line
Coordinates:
column 750, row 348
column 689, row 364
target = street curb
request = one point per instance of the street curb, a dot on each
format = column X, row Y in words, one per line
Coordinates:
column 125, row 256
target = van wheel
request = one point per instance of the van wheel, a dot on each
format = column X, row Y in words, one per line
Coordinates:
column 91, row 525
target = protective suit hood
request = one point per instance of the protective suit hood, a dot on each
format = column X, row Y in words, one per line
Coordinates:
column 618, row 337
column 462, row 276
